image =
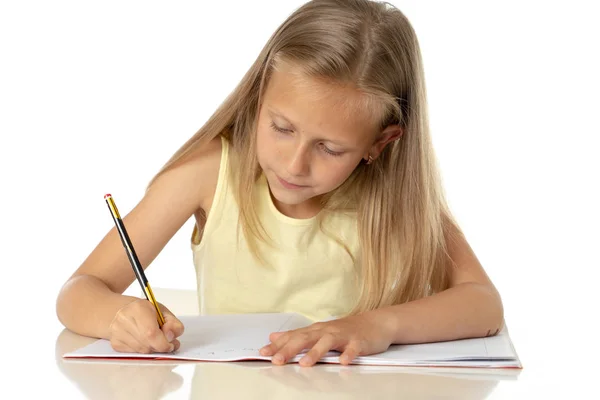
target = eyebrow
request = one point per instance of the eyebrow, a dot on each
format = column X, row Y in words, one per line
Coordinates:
column 276, row 113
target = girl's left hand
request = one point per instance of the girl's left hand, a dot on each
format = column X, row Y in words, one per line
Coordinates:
column 362, row 334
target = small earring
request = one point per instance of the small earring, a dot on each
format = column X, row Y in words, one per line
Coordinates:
column 370, row 160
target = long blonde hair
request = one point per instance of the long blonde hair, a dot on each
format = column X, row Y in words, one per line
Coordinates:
column 403, row 219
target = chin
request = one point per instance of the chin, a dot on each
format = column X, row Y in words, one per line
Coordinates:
column 283, row 196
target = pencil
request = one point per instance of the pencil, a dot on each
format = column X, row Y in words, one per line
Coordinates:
column 133, row 259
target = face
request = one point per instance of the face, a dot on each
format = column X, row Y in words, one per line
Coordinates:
column 311, row 136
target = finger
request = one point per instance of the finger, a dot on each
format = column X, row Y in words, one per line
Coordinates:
column 176, row 344
column 350, row 353
column 124, row 332
column 121, row 347
column 275, row 335
column 276, row 343
column 296, row 343
column 323, row 345
column 126, row 342
column 173, row 327
column 149, row 333
column 279, row 339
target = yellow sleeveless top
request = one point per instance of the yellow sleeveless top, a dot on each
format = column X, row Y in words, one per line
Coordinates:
column 308, row 271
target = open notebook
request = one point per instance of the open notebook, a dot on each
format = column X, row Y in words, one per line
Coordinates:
column 236, row 337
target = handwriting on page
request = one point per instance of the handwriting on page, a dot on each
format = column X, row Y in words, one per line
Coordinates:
column 236, row 336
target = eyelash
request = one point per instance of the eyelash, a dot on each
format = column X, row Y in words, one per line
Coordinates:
column 278, row 129
column 286, row 131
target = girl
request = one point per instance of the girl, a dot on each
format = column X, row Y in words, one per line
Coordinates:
column 314, row 190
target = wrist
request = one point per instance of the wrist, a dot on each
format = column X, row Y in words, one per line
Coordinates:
column 386, row 321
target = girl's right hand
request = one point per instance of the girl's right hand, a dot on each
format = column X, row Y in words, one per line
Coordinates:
column 135, row 329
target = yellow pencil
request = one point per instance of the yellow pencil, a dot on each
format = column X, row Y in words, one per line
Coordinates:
column 135, row 262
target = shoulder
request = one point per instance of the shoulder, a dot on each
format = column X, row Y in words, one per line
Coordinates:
column 193, row 178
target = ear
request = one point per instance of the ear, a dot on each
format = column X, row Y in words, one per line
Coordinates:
column 389, row 134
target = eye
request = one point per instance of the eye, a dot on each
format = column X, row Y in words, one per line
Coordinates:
column 278, row 129
column 331, row 152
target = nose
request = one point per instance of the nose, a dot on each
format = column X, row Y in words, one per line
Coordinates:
column 299, row 161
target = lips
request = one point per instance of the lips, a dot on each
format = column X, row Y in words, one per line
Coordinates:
column 289, row 185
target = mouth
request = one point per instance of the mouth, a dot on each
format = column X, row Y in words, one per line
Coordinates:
column 289, row 185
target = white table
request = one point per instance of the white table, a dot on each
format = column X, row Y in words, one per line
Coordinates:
column 262, row 380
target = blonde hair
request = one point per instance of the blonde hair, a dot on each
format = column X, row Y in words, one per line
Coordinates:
column 403, row 219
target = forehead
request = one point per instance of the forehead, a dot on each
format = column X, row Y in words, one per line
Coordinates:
column 320, row 107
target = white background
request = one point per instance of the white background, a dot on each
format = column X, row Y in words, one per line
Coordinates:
column 95, row 96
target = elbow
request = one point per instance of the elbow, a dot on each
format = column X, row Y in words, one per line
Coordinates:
column 494, row 310
column 61, row 304
column 66, row 299
column 487, row 309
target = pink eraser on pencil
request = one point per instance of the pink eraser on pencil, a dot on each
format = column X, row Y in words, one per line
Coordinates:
column 107, row 195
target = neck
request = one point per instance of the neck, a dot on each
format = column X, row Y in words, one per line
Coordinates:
column 305, row 210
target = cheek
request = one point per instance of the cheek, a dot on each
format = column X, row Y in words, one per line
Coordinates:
column 263, row 143
column 334, row 175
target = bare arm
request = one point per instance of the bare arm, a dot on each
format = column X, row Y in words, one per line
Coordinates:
column 471, row 307
column 90, row 299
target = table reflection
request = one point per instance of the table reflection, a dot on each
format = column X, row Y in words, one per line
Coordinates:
column 99, row 379
column 335, row 381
